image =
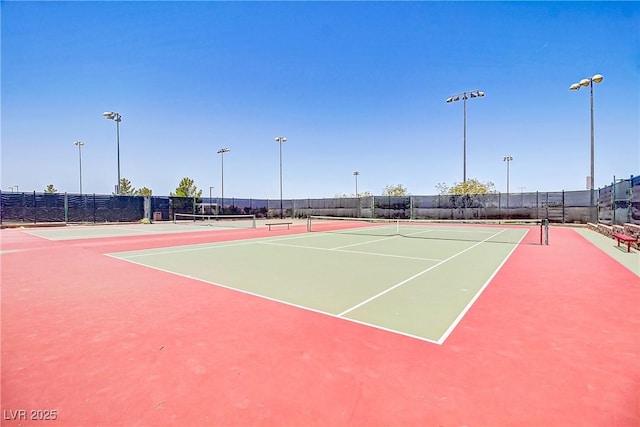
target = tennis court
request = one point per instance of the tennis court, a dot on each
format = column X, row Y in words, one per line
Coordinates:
column 412, row 278
column 187, row 223
column 325, row 323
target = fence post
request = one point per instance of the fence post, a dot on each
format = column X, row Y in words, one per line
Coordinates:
column 598, row 208
column 410, row 207
column 373, row 206
column 630, row 200
column 66, row 208
column 547, row 205
column 613, row 201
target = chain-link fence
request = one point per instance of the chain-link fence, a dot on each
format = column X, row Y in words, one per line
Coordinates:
column 618, row 203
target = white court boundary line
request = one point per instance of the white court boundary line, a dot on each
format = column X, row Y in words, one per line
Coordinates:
column 223, row 244
column 464, row 311
column 349, row 252
column 341, row 316
column 131, row 230
column 205, row 246
column 405, row 281
column 254, row 294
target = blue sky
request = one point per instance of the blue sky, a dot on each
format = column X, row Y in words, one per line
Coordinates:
column 352, row 85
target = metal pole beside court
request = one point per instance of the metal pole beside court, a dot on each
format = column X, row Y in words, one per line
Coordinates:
column 221, row 152
column 280, row 140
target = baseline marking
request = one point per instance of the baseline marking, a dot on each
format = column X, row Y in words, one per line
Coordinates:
column 302, row 307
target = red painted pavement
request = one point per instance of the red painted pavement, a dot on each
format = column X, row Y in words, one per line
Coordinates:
column 553, row 341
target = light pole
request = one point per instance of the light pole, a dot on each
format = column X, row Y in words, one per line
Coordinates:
column 221, row 152
column 464, row 96
column 280, row 140
column 80, row 144
column 356, row 173
column 576, row 86
column 111, row 115
column 507, row 159
column 211, row 198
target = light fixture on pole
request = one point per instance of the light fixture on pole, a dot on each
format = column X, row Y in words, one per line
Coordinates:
column 464, row 96
column 280, row 140
column 507, row 159
column 597, row 78
column 111, row 115
column 356, row 173
column 79, row 144
column 221, row 152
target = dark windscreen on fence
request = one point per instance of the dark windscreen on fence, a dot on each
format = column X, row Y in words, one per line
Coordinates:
column 616, row 204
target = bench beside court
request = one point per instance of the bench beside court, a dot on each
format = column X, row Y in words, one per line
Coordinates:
column 627, row 233
column 281, row 223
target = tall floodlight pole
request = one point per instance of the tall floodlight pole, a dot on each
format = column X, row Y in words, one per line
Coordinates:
column 79, row 144
column 280, row 140
column 356, row 173
column 111, row 115
column 464, row 96
column 597, row 78
column 221, row 152
column 507, row 159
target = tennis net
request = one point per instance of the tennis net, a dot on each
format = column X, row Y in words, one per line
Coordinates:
column 233, row 221
column 503, row 231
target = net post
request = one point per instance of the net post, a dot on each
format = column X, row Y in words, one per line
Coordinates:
column 546, row 230
column 541, row 221
column 253, row 222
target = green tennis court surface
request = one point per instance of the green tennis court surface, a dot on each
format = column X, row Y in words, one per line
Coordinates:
column 72, row 232
column 417, row 281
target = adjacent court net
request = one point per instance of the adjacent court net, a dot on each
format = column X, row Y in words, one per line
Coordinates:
column 233, row 221
column 497, row 231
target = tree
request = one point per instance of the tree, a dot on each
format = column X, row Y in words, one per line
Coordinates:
column 144, row 191
column 50, row 189
column 126, row 189
column 471, row 186
column 442, row 188
column 360, row 194
column 186, row 188
column 395, row 190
